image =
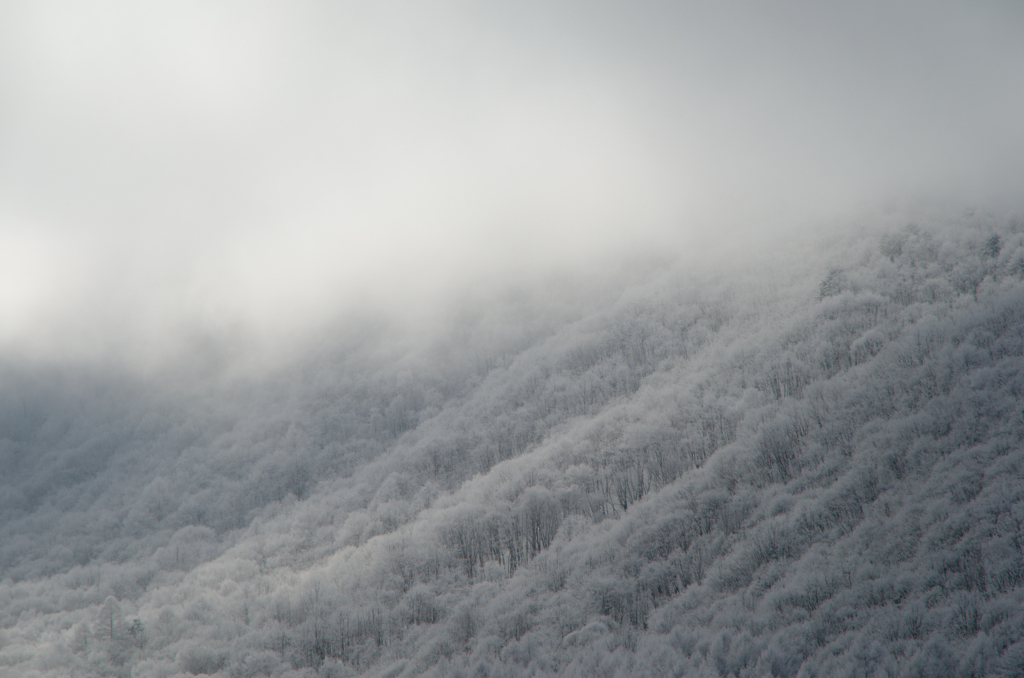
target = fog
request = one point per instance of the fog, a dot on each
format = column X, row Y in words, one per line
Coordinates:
column 179, row 172
column 429, row 339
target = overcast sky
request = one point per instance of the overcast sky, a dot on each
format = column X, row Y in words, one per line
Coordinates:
column 207, row 165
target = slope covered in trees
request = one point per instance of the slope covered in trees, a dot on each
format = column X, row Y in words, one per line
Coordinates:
column 810, row 465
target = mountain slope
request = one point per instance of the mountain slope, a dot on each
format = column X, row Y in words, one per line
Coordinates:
column 810, row 466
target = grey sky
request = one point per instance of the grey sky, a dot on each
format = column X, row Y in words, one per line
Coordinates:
column 206, row 165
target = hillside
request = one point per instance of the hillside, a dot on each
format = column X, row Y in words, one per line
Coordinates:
column 804, row 464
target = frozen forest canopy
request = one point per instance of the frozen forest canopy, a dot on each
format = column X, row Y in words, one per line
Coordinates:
column 516, row 338
column 809, row 466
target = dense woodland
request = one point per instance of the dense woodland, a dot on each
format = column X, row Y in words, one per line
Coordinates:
column 807, row 464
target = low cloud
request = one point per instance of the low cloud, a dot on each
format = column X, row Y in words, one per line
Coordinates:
column 195, row 169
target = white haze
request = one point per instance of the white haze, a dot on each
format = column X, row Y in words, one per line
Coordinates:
column 175, row 171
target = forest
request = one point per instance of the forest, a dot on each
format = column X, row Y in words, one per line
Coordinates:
column 804, row 462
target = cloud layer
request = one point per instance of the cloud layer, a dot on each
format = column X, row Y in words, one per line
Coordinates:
column 205, row 168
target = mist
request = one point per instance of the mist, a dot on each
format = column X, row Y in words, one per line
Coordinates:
column 178, row 174
column 500, row 339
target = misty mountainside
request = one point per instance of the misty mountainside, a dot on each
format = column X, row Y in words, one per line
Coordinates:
column 809, row 465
